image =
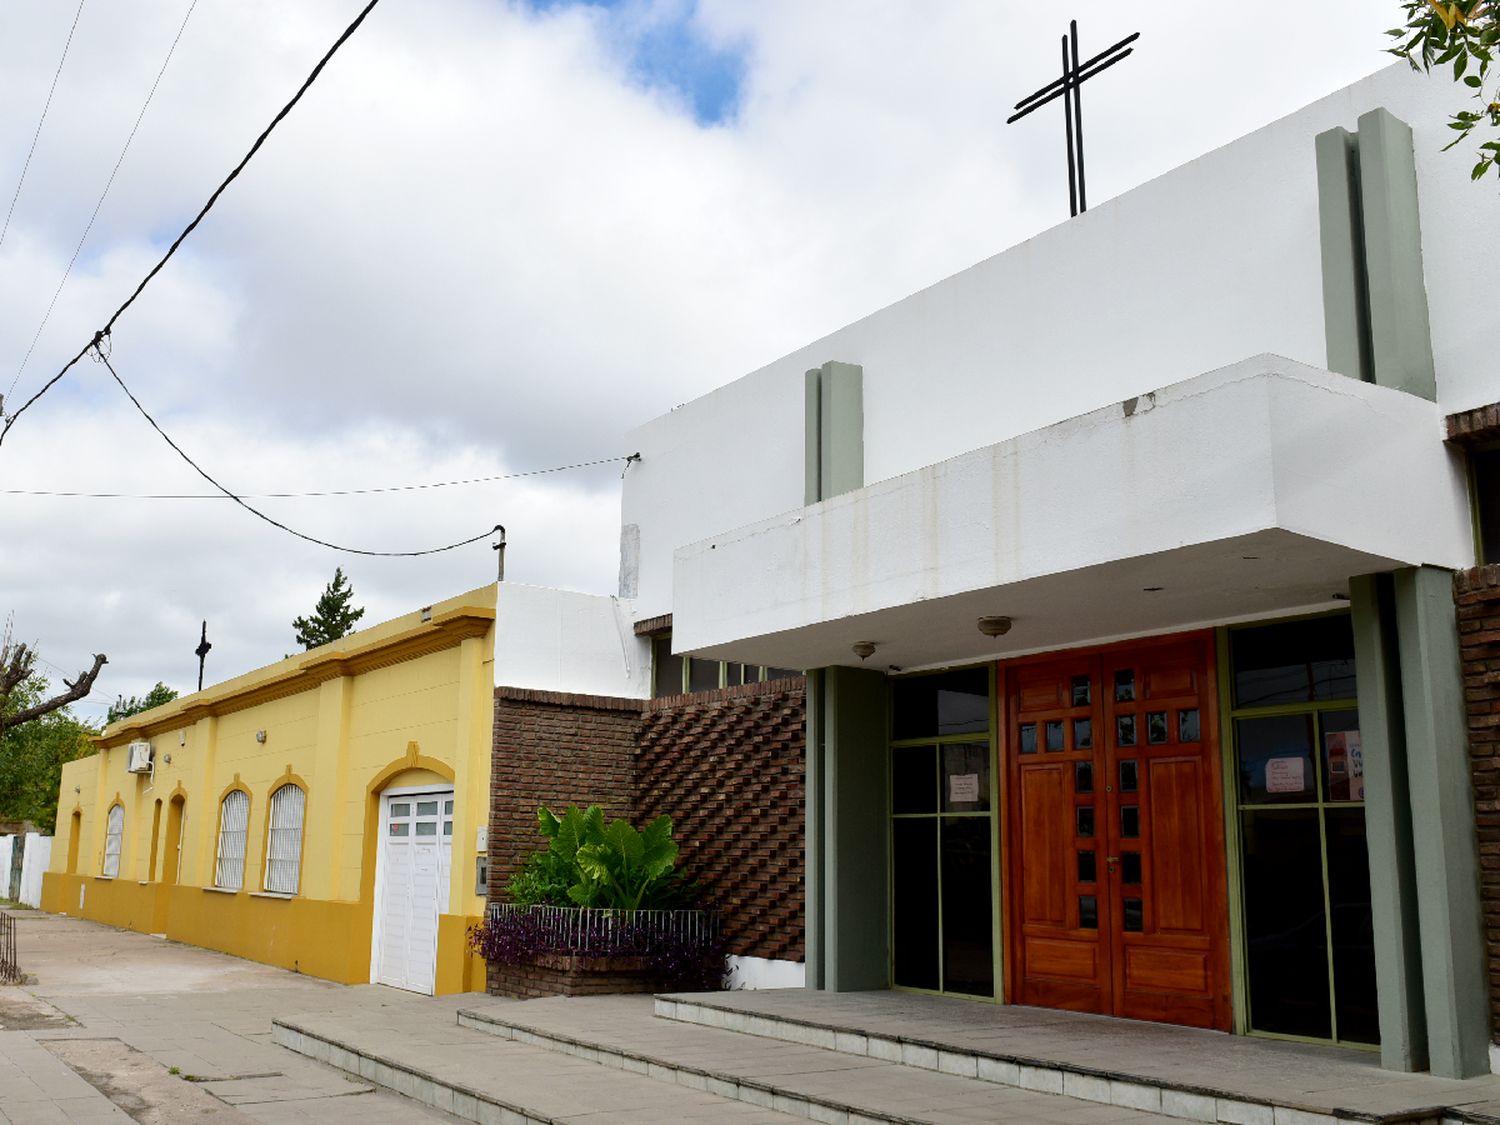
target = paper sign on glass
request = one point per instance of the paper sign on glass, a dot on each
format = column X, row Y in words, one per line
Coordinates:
column 963, row 788
column 1284, row 775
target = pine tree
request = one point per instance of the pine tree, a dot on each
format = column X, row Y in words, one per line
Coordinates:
column 123, row 708
column 332, row 618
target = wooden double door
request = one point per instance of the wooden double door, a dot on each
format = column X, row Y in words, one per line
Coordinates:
column 1116, row 896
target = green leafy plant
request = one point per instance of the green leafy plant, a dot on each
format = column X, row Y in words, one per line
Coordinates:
column 1464, row 33
column 589, row 863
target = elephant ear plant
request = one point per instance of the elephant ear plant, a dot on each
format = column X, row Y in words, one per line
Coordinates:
column 630, row 898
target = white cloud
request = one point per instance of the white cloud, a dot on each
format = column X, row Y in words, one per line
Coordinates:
column 484, row 243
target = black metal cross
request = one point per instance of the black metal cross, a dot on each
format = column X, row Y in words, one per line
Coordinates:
column 201, row 652
column 1074, row 75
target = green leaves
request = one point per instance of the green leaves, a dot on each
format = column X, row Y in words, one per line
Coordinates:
column 1461, row 32
column 589, row 863
column 332, row 618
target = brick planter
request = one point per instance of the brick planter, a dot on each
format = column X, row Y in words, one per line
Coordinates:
column 568, row 974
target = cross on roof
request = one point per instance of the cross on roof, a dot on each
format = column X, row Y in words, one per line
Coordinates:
column 1068, row 87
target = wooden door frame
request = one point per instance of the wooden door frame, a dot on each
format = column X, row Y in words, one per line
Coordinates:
column 1215, row 843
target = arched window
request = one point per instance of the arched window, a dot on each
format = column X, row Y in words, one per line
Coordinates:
column 284, row 849
column 112, row 837
column 234, row 818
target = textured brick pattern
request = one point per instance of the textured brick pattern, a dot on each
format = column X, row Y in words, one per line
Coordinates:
column 570, row 976
column 1477, row 594
column 554, row 749
column 728, row 766
column 1475, row 427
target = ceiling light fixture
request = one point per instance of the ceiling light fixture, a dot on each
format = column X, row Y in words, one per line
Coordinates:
column 864, row 649
column 994, row 626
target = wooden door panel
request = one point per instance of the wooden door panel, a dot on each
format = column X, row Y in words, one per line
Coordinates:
column 1166, row 970
column 1044, row 810
column 1062, row 960
column 1176, row 833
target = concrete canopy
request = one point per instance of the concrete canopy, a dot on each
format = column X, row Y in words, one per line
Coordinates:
column 1253, row 490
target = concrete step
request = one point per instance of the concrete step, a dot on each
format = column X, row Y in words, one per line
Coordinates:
column 1182, row 1073
column 472, row 1077
column 621, row 1032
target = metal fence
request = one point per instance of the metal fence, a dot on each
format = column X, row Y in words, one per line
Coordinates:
column 10, row 968
column 587, row 930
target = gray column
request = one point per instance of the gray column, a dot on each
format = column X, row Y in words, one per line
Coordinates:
column 813, row 945
column 1393, row 879
column 1455, row 984
column 847, row 835
column 1341, row 238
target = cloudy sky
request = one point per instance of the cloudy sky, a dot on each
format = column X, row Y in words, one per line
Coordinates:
column 495, row 235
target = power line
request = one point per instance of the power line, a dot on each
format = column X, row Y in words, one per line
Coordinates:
column 307, row 495
column 103, row 333
column 103, row 357
column 32, row 151
column 79, row 248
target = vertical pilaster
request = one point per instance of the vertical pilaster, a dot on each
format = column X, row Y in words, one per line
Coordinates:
column 326, row 797
column 856, row 815
column 814, row 946
column 1393, row 878
column 1445, row 845
column 203, row 804
column 813, row 437
column 841, row 427
column 471, row 769
column 1341, row 239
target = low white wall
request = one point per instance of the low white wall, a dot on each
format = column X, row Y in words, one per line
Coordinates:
column 35, row 860
column 7, row 850
column 762, row 972
column 559, row 640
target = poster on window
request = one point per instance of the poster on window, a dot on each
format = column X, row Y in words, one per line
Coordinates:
column 1285, row 775
column 1346, row 766
column 963, row 788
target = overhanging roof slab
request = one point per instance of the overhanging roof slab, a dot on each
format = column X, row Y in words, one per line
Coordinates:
column 1255, row 489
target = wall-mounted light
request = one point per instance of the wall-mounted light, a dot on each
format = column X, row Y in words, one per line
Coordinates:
column 77, row 789
column 168, row 759
column 182, row 738
column 260, row 736
column 994, row 626
column 863, row 649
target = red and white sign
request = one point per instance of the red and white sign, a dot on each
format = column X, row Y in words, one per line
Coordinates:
column 1285, row 775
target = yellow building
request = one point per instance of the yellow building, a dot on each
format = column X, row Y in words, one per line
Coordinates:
column 325, row 813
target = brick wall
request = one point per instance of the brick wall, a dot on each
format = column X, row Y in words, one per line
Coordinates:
column 555, row 749
column 1477, row 594
column 728, row 767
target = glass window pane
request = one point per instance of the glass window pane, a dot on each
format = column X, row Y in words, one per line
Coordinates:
column 1028, row 738
column 1187, row 725
column 1088, row 912
column 1487, row 500
column 667, row 668
column 915, row 902
column 1134, row 920
column 1343, row 759
column 1083, row 777
column 947, row 703
column 1088, row 867
column 1125, row 730
column 966, row 777
column 734, row 674
column 1125, row 686
column 1286, row 943
column 1276, row 764
column 1082, row 695
column 427, row 808
column 447, row 828
column 426, row 828
column 781, row 674
column 1130, row 822
column 1353, row 926
column 1086, row 821
column 1294, row 661
column 1129, row 776
column 400, row 810
column 1130, row 868
column 1156, row 727
column 703, row 675
column 447, row 808
column 401, row 828
column 914, row 779
column 1054, row 736
column 1083, row 734
column 968, row 923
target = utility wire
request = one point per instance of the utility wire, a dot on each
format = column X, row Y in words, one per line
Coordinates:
column 103, row 357
column 305, row 495
column 79, row 248
column 32, row 151
column 103, row 333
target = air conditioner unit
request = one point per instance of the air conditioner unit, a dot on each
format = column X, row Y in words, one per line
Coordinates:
column 140, row 758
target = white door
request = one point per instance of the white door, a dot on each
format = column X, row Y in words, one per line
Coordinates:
column 412, row 876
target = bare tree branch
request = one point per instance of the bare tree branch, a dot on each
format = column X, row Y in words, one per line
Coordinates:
column 17, row 663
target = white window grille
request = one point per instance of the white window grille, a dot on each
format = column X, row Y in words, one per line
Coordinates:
column 116, row 830
column 284, row 849
column 234, row 819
